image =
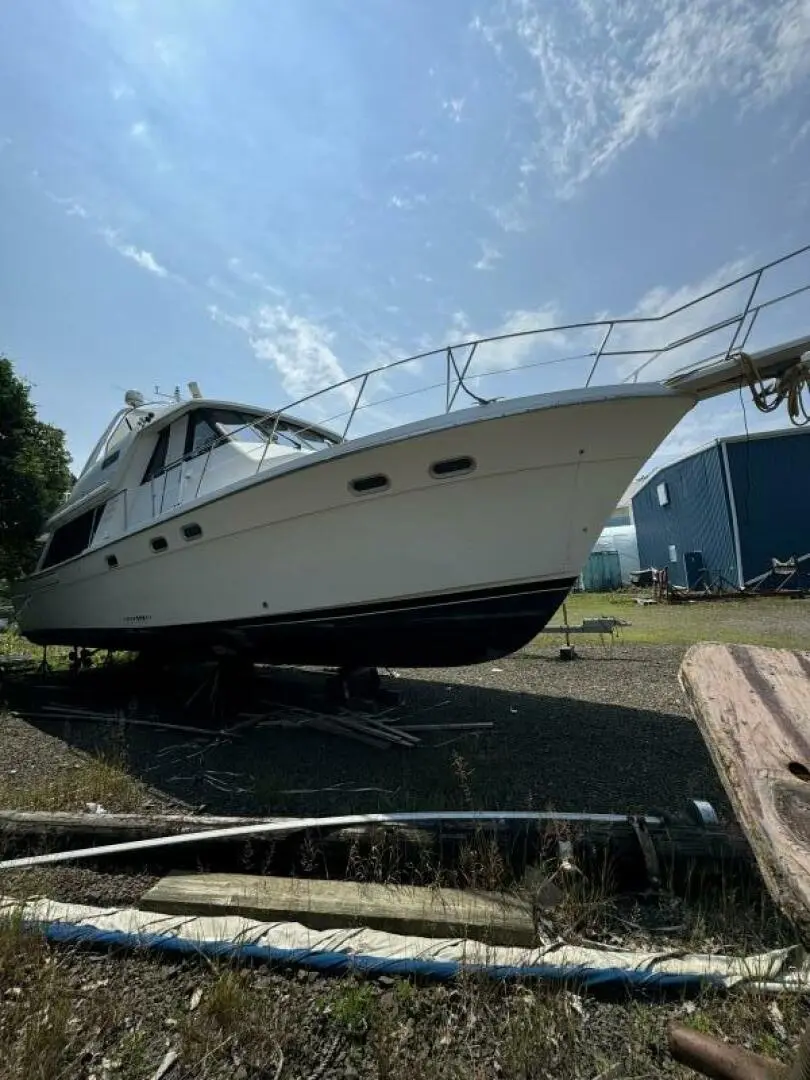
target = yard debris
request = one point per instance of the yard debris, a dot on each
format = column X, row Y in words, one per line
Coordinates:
column 169, row 1059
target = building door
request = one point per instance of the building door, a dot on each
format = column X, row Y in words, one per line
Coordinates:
column 696, row 576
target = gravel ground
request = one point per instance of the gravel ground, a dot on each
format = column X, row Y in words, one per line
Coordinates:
column 607, row 732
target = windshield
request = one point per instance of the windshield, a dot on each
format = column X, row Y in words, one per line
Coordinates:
column 251, row 429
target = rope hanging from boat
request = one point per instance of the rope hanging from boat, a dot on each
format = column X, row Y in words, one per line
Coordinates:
column 789, row 387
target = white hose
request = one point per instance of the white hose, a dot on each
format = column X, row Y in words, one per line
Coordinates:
column 298, row 824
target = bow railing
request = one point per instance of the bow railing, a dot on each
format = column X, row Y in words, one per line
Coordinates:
column 624, row 349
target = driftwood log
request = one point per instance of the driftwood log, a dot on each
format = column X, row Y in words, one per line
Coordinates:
column 752, row 706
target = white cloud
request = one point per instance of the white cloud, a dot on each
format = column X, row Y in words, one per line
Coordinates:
column 799, row 136
column 300, row 350
column 139, row 130
column 489, row 257
column 422, row 155
column 604, row 76
column 406, row 202
column 659, row 301
column 716, row 419
column 145, row 259
column 454, row 107
column 73, row 208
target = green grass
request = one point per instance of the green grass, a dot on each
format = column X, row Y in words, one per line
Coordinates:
column 783, row 624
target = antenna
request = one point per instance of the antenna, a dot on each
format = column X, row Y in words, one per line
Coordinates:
column 133, row 398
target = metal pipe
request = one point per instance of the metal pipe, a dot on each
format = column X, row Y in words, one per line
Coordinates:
column 300, row 824
column 360, row 393
column 721, row 1061
column 601, row 349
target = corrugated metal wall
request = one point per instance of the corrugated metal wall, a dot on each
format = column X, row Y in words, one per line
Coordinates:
column 698, row 518
column 602, row 572
column 769, row 478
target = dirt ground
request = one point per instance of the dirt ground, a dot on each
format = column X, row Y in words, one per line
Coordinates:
column 608, row 732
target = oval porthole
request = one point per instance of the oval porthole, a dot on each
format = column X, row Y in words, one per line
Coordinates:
column 452, row 466
column 365, row 485
column 159, row 543
column 192, row 531
column 112, row 561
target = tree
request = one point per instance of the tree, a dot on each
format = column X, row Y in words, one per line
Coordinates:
column 34, row 474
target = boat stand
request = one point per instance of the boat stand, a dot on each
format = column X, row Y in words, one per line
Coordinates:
column 358, row 683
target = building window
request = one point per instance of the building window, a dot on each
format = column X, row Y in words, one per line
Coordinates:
column 619, row 517
column 663, row 494
column 673, row 553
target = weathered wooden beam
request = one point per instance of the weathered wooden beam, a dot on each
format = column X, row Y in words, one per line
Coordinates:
column 324, row 905
column 752, row 706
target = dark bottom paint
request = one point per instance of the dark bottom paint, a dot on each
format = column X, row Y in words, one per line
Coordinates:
column 448, row 631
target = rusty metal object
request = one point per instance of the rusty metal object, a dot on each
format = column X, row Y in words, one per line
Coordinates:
column 723, row 1061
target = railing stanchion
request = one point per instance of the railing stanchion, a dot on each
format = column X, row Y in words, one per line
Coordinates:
column 356, row 403
column 598, row 356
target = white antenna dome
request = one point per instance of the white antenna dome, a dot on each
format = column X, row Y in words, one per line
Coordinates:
column 134, row 398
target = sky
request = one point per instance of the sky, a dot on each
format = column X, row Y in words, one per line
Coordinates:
column 269, row 197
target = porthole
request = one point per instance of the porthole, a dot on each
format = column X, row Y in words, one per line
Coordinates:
column 159, row 543
column 112, row 561
column 452, row 467
column 365, row 485
column 192, row 531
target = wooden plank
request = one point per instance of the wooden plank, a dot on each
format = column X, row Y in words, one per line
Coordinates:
column 326, row 905
column 752, row 706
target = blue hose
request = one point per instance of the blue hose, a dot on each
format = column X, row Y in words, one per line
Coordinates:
column 343, row 962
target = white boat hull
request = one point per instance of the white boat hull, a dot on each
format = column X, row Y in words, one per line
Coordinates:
column 296, row 568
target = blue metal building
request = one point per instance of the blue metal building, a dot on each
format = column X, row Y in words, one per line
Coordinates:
column 720, row 515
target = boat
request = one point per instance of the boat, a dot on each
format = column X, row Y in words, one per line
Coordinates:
column 210, row 527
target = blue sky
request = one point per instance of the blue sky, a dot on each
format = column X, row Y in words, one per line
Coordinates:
column 265, row 196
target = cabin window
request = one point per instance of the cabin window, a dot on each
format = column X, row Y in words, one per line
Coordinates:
column 201, row 434
column 452, row 466
column 72, row 538
column 209, row 427
column 192, row 531
column 157, row 461
column 298, row 437
column 111, row 459
column 364, row 485
column 159, row 543
column 112, row 561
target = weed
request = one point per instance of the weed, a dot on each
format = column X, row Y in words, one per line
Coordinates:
column 404, row 993
column 227, row 1001
column 354, row 1008
column 92, row 779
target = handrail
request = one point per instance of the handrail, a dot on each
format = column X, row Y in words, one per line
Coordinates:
column 458, row 358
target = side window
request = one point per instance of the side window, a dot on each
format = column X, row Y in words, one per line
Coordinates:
column 72, row 538
column 201, row 433
column 158, row 459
